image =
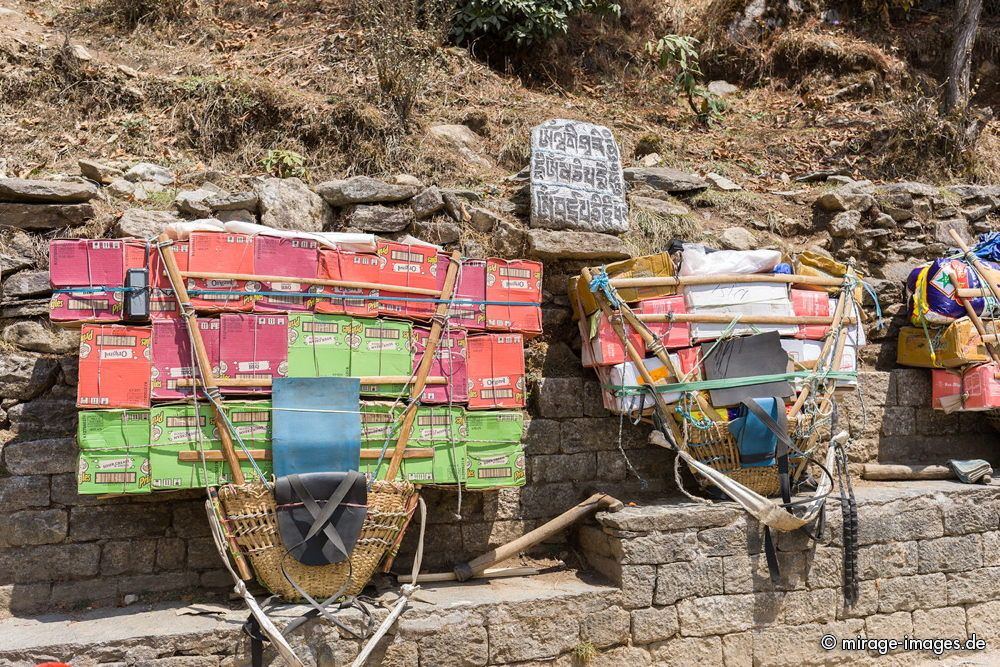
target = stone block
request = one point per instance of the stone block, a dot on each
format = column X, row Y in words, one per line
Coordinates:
column 881, row 561
column 121, row 521
column 921, row 591
column 991, row 548
column 612, row 466
column 697, row 578
column 24, row 599
column 170, row 553
column 865, row 605
column 973, row 517
column 189, row 520
column 638, row 583
column 162, row 582
column 676, row 516
column 202, row 554
column 502, row 504
column 654, row 624
column 563, row 467
column 687, row 651
column 936, row 422
column 94, row 592
column 913, row 386
column 737, row 649
column 559, row 398
column 546, row 500
column 983, row 620
column 657, row 548
column 793, row 646
column 899, row 421
column 724, row 541
column 36, row 457
column 899, row 521
column 592, row 403
column 595, row 540
column 818, row 606
column 749, row 574
column 622, row 655
column 52, row 562
column 537, row 639
column 456, row 646
column 939, row 623
column 973, row 586
column 24, row 491
column 127, row 557
column 30, row 527
column 889, row 626
column 826, row 568
column 715, row 615
column 951, row 554
column 608, row 627
column 542, row 436
column 589, row 435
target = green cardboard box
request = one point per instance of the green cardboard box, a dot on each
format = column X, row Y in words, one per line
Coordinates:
column 444, row 429
column 381, row 347
column 252, row 422
column 318, row 345
column 175, row 428
column 114, row 452
column 377, row 420
column 494, row 455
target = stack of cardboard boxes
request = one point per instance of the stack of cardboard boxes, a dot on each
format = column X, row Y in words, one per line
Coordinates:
column 140, row 419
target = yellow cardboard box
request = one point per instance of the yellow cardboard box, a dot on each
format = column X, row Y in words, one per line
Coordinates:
column 649, row 266
column 955, row 345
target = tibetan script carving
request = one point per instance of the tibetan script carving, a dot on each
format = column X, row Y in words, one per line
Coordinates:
column 576, row 178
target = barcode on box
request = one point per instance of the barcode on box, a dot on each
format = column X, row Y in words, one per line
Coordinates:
column 498, row 393
column 80, row 304
column 493, row 473
column 114, row 477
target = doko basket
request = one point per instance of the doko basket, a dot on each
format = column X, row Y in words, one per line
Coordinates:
column 251, row 521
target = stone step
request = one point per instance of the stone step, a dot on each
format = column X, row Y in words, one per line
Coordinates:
column 499, row 621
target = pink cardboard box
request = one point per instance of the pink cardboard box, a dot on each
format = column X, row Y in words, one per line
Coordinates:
column 471, row 286
column 221, row 252
column 252, row 346
column 979, row 386
column 162, row 302
column 352, row 267
column 673, row 335
column 78, row 267
column 450, row 361
column 292, row 258
column 172, row 358
column 407, row 265
column 806, row 303
column 606, row 347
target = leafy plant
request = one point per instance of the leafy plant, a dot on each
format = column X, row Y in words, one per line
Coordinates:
column 523, row 21
column 284, row 164
column 681, row 53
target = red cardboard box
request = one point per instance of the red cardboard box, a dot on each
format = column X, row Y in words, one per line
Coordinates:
column 285, row 257
column 496, row 371
column 606, row 347
column 689, row 360
column 471, row 286
column 172, row 355
column 979, row 385
column 162, row 302
column 673, row 335
column 77, row 267
column 515, row 280
column 252, row 346
column 811, row 304
column 353, row 267
column 450, row 361
column 114, row 366
column 221, row 252
column 407, row 265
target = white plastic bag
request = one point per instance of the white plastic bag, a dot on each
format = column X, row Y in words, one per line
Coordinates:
column 696, row 262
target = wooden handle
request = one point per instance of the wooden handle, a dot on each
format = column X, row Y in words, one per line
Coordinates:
column 310, row 281
column 267, row 381
column 596, row 502
column 723, row 318
column 892, row 472
column 673, row 281
column 265, row 454
column 420, row 379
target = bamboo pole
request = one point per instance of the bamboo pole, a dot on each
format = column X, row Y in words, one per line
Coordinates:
column 267, row 381
column 990, row 342
column 898, row 473
column 673, row 281
column 265, row 454
column 977, row 263
column 637, row 361
column 723, row 318
column 205, row 368
column 310, row 281
column 420, row 380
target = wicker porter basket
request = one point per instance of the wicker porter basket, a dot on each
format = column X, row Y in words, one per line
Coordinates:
column 249, row 513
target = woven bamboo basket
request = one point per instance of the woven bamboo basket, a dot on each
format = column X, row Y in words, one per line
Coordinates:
column 716, row 447
column 251, row 519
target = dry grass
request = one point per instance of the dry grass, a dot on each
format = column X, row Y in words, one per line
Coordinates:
column 650, row 232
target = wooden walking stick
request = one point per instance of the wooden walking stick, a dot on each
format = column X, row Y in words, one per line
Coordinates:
column 205, row 368
column 420, row 380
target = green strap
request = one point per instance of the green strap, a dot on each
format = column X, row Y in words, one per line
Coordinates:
column 635, row 389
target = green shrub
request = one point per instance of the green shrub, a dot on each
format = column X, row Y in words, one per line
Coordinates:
column 680, row 52
column 523, row 21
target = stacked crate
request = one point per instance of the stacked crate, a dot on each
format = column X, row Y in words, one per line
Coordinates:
column 141, row 426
